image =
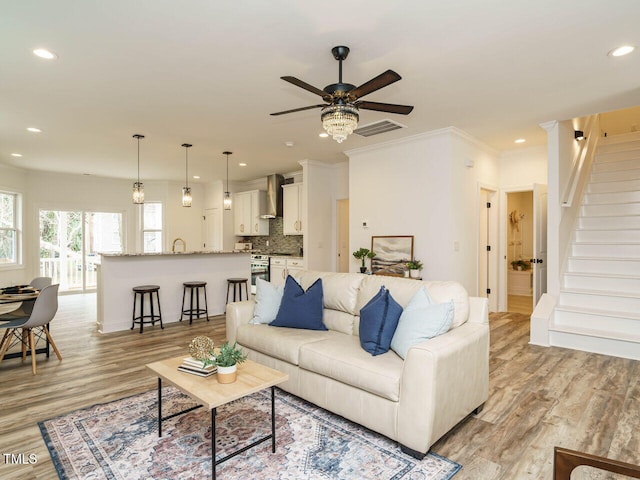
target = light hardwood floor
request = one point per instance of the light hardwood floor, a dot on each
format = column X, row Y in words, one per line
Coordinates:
column 539, row 397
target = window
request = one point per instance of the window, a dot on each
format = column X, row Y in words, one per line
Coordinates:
column 9, row 228
column 152, row 227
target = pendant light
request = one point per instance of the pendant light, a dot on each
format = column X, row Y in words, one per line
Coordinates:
column 186, row 191
column 138, row 187
column 227, row 195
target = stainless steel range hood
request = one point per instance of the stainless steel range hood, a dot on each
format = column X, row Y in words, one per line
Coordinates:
column 274, row 196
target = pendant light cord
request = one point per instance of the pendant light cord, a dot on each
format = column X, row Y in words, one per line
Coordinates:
column 138, row 158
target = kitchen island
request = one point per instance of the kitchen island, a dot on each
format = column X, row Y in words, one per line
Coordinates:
column 119, row 273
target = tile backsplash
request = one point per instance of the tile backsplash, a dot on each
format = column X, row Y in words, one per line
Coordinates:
column 277, row 241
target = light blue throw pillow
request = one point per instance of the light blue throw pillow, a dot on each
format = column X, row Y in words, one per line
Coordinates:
column 268, row 298
column 378, row 320
column 421, row 320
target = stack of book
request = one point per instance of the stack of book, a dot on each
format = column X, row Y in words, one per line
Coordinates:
column 196, row 367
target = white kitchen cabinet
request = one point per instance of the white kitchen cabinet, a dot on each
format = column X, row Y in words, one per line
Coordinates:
column 280, row 267
column 248, row 206
column 292, row 207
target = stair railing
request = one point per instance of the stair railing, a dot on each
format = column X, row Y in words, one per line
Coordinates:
column 565, row 461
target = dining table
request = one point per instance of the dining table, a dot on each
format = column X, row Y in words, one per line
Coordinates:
column 14, row 298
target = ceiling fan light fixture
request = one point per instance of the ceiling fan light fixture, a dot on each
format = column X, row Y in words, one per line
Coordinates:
column 340, row 120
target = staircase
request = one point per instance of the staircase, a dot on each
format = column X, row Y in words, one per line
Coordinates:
column 599, row 304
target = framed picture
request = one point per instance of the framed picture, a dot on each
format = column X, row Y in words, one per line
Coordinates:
column 392, row 254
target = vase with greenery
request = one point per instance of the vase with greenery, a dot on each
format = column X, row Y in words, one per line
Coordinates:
column 362, row 254
column 227, row 360
column 414, row 267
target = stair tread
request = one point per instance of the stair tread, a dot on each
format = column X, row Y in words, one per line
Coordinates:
column 604, row 275
column 595, row 311
column 604, row 293
column 593, row 332
column 616, row 259
column 607, row 243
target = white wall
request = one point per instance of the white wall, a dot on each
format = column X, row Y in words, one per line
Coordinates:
column 425, row 186
column 56, row 191
column 323, row 185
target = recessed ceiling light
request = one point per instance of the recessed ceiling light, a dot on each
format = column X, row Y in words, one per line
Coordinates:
column 621, row 51
column 289, row 144
column 197, row 177
column 44, row 53
column 16, row 154
column 242, row 164
column 323, row 135
column 34, row 129
column 520, row 140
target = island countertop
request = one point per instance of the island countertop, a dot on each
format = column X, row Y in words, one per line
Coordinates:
column 119, row 273
column 156, row 254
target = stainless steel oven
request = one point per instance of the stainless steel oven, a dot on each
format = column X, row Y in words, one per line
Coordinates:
column 259, row 269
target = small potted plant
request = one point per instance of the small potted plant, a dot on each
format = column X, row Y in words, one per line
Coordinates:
column 414, row 267
column 363, row 254
column 227, row 360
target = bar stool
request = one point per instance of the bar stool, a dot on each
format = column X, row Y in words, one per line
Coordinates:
column 237, row 288
column 194, row 287
column 142, row 290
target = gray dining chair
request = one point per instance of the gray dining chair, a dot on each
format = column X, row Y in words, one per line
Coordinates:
column 32, row 328
column 25, row 308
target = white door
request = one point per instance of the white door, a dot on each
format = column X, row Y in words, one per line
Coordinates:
column 213, row 229
column 483, row 242
column 539, row 241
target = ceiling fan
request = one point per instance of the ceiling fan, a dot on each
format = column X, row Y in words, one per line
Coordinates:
column 339, row 113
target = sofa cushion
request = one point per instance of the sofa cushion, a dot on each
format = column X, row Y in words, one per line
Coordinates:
column 268, row 298
column 403, row 290
column 340, row 289
column 378, row 322
column 300, row 309
column 421, row 320
column 341, row 358
column 338, row 320
column 282, row 343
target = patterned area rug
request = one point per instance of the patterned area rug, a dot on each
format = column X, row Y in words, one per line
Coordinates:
column 119, row 440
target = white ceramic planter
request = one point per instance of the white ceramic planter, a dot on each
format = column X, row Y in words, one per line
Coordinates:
column 414, row 273
column 227, row 374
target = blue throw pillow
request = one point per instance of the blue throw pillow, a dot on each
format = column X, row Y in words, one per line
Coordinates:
column 300, row 309
column 421, row 320
column 268, row 298
column 378, row 321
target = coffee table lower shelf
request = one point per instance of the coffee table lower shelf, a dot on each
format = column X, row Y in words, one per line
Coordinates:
column 214, row 410
column 208, row 393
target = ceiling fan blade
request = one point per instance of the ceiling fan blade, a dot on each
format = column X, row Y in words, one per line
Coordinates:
column 310, row 88
column 382, row 80
column 299, row 109
column 385, row 107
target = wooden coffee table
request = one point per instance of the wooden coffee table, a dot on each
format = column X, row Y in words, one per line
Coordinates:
column 252, row 377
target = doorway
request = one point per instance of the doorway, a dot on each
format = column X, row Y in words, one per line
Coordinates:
column 70, row 243
column 520, row 251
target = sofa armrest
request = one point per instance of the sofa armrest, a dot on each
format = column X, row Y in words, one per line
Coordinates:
column 478, row 310
column 238, row 313
column 443, row 380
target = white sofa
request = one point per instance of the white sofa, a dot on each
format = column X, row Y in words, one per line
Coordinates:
column 413, row 401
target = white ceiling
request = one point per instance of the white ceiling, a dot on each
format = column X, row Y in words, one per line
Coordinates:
column 207, row 72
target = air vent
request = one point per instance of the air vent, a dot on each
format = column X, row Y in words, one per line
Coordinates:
column 377, row 128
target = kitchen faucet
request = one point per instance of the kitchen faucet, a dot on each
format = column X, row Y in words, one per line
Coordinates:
column 184, row 245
